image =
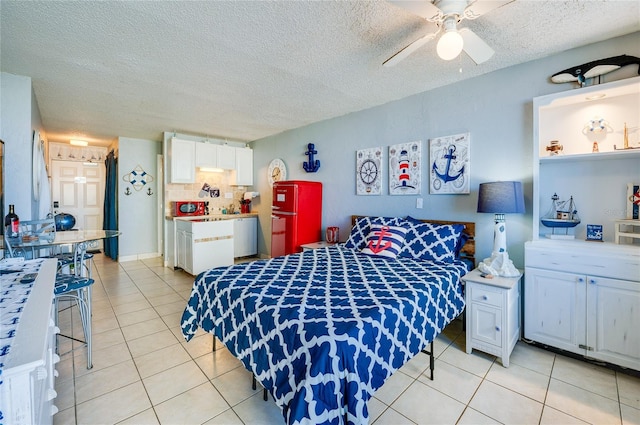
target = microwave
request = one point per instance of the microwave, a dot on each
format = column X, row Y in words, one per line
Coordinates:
column 188, row 208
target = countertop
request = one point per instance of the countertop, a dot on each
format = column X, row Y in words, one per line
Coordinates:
column 213, row 217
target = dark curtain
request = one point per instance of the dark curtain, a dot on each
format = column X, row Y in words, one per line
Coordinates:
column 110, row 220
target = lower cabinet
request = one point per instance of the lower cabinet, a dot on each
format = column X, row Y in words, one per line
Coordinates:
column 245, row 236
column 584, row 302
column 203, row 244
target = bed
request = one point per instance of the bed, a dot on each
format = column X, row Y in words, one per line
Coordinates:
column 323, row 329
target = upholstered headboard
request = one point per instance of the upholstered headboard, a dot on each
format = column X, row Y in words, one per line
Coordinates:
column 468, row 251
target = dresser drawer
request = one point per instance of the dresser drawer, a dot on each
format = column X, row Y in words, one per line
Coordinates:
column 485, row 294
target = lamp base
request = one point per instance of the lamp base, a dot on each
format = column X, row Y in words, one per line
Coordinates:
column 499, row 264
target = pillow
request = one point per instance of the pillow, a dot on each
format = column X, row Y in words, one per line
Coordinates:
column 428, row 241
column 360, row 230
column 385, row 241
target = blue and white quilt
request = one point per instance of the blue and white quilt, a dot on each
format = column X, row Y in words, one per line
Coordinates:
column 322, row 330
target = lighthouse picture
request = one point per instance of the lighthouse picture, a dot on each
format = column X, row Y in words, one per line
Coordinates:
column 405, row 164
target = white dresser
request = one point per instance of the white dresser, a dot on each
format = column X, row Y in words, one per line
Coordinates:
column 27, row 346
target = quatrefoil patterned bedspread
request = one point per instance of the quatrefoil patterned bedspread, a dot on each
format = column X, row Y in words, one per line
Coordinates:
column 323, row 329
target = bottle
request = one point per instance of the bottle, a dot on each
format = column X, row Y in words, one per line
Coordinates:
column 11, row 223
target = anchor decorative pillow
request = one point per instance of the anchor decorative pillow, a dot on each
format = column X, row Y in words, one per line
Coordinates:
column 385, row 241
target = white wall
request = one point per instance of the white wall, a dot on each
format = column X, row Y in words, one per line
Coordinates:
column 495, row 108
column 19, row 116
column 137, row 212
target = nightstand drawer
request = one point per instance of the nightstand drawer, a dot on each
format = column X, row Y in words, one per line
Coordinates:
column 486, row 295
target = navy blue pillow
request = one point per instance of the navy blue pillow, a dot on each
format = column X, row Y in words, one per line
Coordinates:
column 428, row 241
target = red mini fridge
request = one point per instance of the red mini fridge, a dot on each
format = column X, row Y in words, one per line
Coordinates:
column 296, row 216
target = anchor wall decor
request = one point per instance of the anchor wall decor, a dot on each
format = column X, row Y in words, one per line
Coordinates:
column 449, row 172
column 313, row 164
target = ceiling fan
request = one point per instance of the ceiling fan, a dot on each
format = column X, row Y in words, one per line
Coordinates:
column 446, row 14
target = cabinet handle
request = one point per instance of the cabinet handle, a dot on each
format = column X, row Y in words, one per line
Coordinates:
column 592, row 281
column 580, row 280
column 484, row 297
column 498, row 328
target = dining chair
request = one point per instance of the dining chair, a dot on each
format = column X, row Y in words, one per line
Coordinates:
column 74, row 287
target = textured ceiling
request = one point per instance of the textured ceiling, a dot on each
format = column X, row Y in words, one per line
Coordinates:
column 244, row 70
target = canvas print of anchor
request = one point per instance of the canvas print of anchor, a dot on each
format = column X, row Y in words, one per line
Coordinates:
column 405, row 165
column 449, row 157
column 313, row 164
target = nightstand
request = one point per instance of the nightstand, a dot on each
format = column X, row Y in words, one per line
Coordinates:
column 493, row 314
column 315, row 245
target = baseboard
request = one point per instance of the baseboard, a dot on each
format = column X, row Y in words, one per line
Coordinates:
column 136, row 257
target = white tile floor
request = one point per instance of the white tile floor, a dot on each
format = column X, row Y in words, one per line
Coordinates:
column 145, row 373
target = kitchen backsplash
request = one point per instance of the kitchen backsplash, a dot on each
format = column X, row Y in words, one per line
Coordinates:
column 217, row 183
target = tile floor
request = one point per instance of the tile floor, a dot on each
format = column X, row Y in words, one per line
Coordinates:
column 145, row 373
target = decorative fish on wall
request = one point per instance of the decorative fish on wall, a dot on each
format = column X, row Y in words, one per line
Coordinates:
column 593, row 69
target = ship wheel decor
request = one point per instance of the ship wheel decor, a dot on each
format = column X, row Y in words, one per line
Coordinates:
column 369, row 171
column 449, row 173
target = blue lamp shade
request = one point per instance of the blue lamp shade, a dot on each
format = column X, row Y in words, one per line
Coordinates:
column 501, row 198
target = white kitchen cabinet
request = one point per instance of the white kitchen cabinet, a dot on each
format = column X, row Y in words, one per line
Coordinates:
column 206, row 155
column 204, row 243
column 583, row 297
column 182, row 156
column 493, row 314
column 243, row 174
column 226, row 157
column 245, row 236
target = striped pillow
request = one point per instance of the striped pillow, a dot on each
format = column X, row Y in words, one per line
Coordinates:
column 384, row 241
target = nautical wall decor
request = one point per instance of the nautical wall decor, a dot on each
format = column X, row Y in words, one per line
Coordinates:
column 405, row 168
column 313, row 164
column 138, row 178
column 594, row 69
column 369, row 171
column 633, row 201
column 449, row 156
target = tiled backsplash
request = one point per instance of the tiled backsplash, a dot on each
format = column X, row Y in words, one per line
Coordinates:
column 193, row 191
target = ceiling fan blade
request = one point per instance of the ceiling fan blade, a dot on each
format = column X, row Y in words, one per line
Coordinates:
column 475, row 47
column 402, row 54
column 480, row 7
column 423, row 8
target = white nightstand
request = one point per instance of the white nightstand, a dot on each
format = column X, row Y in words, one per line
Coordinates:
column 315, row 245
column 493, row 314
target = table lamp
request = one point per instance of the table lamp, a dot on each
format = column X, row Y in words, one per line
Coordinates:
column 500, row 198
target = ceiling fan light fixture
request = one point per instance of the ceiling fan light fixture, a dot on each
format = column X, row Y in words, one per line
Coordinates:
column 450, row 45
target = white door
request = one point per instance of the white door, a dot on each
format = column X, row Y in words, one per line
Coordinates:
column 79, row 190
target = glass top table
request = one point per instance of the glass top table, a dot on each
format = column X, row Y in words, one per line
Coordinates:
column 75, row 238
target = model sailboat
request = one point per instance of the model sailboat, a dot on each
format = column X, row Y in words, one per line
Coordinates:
column 562, row 215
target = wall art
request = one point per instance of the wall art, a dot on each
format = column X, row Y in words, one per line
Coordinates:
column 369, row 171
column 633, row 201
column 405, row 166
column 138, row 178
column 449, row 158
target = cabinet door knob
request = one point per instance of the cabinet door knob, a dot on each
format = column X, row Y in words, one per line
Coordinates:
column 484, row 297
column 498, row 328
column 592, row 281
column 580, row 280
